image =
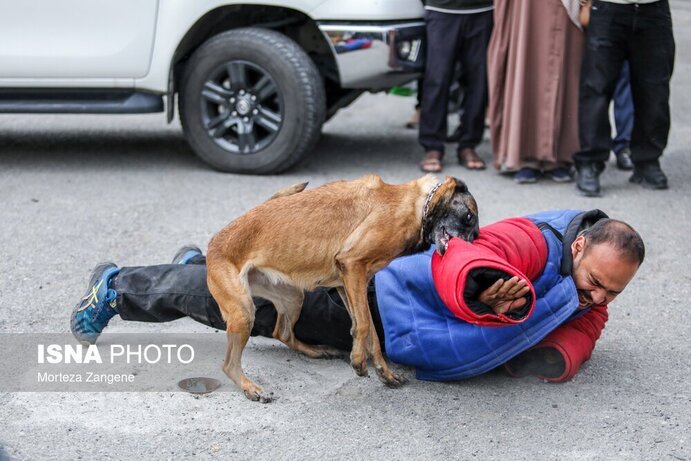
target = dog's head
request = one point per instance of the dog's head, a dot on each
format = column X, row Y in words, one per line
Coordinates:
column 451, row 212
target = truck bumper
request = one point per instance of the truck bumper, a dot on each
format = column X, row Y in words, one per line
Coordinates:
column 376, row 57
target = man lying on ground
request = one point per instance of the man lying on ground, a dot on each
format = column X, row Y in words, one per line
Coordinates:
column 529, row 293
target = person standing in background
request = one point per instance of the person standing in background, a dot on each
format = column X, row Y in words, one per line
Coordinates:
column 640, row 32
column 457, row 31
column 534, row 63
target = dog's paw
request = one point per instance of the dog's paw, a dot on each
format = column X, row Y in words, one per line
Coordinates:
column 257, row 394
column 267, row 397
column 390, row 378
column 360, row 368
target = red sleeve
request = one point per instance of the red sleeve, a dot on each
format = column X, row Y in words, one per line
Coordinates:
column 575, row 340
column 514, row 246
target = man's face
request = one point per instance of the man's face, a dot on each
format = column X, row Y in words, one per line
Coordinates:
column 600, row 273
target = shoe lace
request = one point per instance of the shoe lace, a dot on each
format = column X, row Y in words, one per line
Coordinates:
column 91, row 299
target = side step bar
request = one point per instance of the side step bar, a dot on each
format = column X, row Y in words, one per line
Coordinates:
column 59, row 101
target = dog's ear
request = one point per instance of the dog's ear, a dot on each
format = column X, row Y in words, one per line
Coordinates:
column 458, row 185
column 447, row 191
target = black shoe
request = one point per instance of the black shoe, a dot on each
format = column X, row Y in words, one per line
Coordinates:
column 649, row 175
column 624, row 159
column 588, row 178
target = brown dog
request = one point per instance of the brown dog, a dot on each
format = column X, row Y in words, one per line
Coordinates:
column 337, row 235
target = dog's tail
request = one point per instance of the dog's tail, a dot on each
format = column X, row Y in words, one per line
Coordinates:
column 290, row 190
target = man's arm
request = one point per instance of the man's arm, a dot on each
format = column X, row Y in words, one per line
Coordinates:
column 559, row 356
column 488, row 282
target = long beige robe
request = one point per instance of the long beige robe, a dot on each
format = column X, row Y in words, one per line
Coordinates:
column 534, row 63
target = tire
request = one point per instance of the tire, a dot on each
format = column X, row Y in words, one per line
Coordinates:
column 251, row 101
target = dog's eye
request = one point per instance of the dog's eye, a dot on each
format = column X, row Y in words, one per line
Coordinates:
column 468, row 218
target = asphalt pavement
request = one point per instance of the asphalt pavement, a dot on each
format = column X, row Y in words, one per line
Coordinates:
column 77, row 190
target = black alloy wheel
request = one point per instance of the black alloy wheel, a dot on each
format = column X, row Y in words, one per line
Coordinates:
column 251, row 101
column 242, row 109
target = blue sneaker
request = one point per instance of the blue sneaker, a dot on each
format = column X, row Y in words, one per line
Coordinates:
column 185, row 254
column 91, row 315
column 561, row 174
column 526, row 176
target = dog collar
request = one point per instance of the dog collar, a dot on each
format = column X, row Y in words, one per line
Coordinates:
column 425, row 208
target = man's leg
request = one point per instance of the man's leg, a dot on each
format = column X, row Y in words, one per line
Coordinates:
column 604, row 54
column 167, row 292
column 623, row 120
column 473, row 56
column 149, row 294
column 651, row 50
column 324, row 320
column 442, row 45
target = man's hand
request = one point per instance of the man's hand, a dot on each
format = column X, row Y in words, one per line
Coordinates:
column 505, row 295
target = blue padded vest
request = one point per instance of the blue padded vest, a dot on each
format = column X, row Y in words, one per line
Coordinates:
column 420, row 331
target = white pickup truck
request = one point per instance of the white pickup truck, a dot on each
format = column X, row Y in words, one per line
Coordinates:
column 254, row 81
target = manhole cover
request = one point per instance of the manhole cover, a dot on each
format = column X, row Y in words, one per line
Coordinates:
column 199, row 385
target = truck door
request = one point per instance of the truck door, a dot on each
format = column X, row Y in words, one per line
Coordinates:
column 69, row 39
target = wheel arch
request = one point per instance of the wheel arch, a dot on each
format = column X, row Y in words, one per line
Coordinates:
column 292, row 23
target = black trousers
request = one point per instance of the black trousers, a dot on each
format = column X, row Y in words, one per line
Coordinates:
column 642, row 35
column 171, row 291
column 455, row 38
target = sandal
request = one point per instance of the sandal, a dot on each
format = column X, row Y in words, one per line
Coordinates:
column 469, row 159
column 432, row 162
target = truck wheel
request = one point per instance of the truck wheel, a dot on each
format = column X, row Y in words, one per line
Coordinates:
column 251, row 101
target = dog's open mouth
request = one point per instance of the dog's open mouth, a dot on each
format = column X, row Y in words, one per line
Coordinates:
column 442, row 243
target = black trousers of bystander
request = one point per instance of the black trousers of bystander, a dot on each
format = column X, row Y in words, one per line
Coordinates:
column 452, row 38
column 642, row 35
